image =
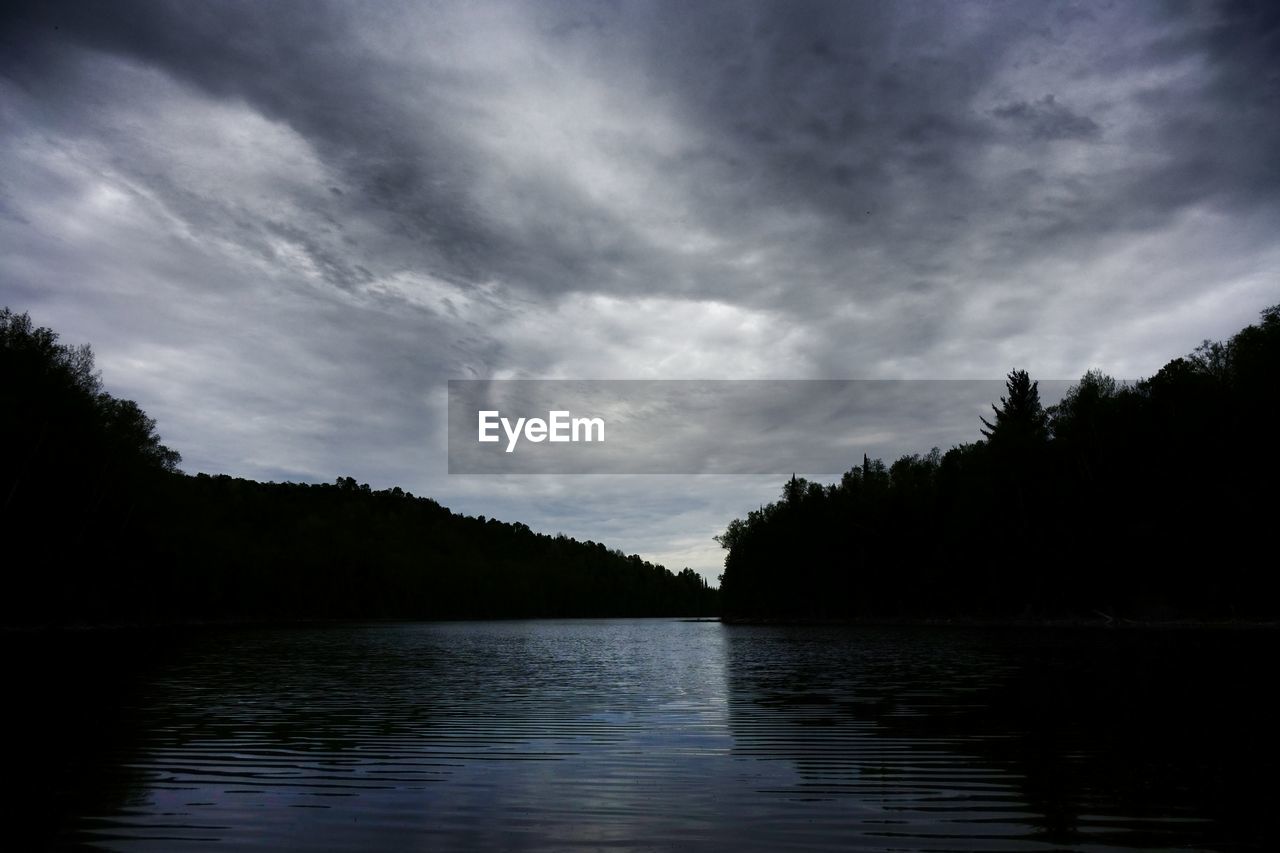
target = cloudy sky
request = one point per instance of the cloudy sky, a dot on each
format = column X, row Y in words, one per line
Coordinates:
column 284, row 226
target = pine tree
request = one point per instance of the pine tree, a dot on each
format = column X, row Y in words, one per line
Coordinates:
column 1020, row 418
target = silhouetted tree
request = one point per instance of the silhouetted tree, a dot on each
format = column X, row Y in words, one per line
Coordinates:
column 1020, row 419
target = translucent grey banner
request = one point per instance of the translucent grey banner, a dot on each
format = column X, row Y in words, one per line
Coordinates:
column 552, row 426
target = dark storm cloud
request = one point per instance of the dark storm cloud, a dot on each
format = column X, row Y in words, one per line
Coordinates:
column 836, row 130
column 389, row 113
column 290, row 62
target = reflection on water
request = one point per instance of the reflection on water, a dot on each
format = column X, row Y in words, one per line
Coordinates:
column 1014, row 739
column 642, row 734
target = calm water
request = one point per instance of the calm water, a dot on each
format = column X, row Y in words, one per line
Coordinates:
column 639, row 735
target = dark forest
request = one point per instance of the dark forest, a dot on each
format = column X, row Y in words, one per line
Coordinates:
column 1154, row 500
column 99, row 526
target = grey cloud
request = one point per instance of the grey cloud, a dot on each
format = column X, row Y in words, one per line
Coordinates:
column 1047, row 119
column 844, row 115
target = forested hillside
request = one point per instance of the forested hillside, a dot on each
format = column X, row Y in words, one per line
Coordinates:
column 99, row 526
column 1150, row 501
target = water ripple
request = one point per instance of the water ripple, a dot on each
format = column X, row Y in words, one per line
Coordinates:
column 645, row 735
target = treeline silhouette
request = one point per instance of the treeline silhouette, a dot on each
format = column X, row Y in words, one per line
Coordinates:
column 99, row 525
column 1149, row 501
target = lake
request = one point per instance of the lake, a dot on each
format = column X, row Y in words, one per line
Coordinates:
column 640, row 735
